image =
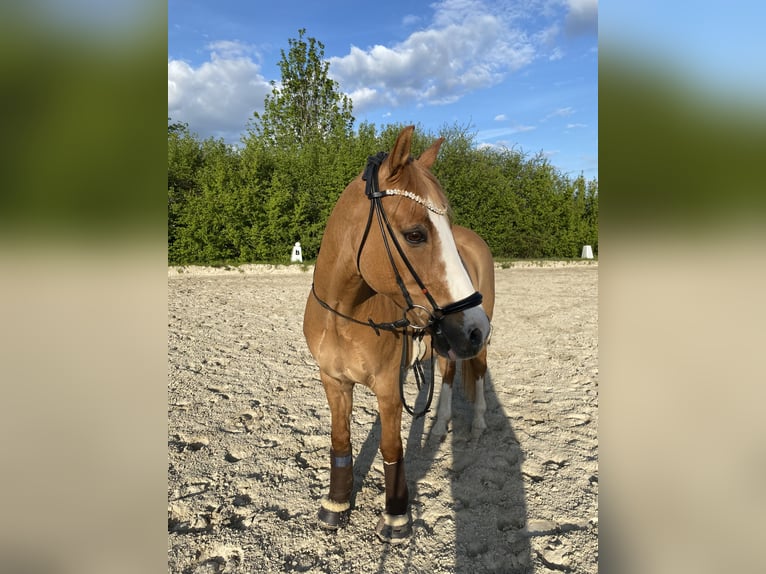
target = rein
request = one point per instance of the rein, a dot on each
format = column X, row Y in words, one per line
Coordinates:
column 404, row 325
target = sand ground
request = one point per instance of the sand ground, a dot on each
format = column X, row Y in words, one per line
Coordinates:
column 248, row 436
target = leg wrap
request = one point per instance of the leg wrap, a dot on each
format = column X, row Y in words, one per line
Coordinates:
column 397, row 495
column 334, row 509
column 395, row 525
column 341, row 477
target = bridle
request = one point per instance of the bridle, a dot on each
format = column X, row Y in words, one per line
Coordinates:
column 374, row 194
column 405, row 325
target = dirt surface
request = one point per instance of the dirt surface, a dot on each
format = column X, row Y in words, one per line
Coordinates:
column 248, row 436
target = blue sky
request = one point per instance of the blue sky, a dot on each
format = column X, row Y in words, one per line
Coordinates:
column 520, row 74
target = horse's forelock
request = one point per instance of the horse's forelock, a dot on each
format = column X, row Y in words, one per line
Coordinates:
column 421, row 182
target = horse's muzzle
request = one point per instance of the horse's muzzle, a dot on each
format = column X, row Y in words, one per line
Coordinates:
column 461, row 335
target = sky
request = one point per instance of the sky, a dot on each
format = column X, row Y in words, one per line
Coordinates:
column 520, row 74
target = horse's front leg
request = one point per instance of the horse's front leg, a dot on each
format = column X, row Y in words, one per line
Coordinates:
column 476, row 371
column 444, row 411
column 335, row 507
column 395, row 525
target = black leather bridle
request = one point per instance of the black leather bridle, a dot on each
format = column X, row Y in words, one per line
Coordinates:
column 434, row 316
column 374, row 194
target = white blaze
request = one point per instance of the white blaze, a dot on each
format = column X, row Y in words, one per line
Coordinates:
column 458, row 282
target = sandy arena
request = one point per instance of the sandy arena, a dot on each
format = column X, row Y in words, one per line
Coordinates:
column 248, row 436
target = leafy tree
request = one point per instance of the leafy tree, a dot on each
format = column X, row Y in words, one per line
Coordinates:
column 308, row 104
column 212, row 226
column 185, row 159
column 177, row 127
column 303, row 145
column 590, row 215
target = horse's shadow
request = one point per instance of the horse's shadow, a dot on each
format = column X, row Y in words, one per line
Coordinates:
column 486, row 501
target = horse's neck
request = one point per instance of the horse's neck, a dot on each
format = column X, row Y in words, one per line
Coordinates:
column 343, row 291
column 336, row 276
column 339, row 283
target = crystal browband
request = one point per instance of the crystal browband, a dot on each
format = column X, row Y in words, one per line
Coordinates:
column 424, row 202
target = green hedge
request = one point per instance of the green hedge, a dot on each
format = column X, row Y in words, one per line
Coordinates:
column 252, row 203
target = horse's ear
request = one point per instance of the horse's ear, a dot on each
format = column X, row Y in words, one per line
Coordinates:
column 428, row 157
column 400, row 155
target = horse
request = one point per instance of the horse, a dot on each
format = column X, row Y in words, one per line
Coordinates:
column 392, row 269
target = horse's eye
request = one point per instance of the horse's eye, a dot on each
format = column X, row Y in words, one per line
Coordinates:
column 415, row 236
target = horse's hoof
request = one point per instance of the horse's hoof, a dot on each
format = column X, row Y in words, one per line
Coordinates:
column 333, row 515
column 394, row 529
column 478, row 427
column 438, row 431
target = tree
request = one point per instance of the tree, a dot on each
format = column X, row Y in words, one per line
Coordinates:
column 296, row 150
column 177, row 127
column 185, row 159
column 308, row 104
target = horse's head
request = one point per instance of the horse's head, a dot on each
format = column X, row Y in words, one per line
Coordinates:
column 408, row 252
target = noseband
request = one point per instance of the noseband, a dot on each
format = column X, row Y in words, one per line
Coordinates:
column 436, row 314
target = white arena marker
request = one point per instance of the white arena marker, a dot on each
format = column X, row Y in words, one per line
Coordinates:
column 297, row 254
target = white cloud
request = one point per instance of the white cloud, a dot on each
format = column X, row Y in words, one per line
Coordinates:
column 218, row 97
column 560, row 113
column 500, row 118
column 575, row 126
column 410, row 20
column 231, row 49
column 366, row 98
column 467, row 47
column 521, row 129
column 556, row 54
column 453, row 12
column 495, row 136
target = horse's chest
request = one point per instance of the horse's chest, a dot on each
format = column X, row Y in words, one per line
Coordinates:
column 359, row 359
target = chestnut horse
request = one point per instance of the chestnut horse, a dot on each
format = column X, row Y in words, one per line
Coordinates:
column 391, row 267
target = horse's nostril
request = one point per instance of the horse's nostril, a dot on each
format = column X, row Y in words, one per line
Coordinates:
column 476, row 338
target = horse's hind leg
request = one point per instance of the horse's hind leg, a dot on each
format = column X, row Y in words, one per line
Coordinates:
column 444, row 410
column 335, row 507
column 395, row 525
